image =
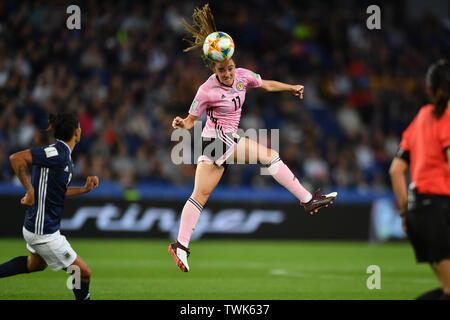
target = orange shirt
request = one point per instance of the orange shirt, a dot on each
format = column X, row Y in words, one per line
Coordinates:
column 426, row 139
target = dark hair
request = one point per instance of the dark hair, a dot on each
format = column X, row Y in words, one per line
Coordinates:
column 63, row 124
column 203, row 25
column 438, row 80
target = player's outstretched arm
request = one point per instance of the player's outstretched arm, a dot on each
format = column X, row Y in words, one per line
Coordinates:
column 20, row 162
column 186, row 123
column 91, row 183
column 273, row 86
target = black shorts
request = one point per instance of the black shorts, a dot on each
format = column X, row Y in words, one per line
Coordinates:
column 219, row 149
column 428, row 228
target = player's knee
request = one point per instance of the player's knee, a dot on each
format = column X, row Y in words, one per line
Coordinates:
column 41, row 267
column 34, row 267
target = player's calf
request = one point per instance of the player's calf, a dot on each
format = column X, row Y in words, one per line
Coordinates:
column 82, row 292
column 22, row 264
column 35, row 263
column 14, row 266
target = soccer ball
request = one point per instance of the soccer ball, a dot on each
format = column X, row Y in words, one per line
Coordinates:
column 218, row 47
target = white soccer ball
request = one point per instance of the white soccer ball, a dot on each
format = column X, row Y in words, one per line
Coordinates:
column 218, row 47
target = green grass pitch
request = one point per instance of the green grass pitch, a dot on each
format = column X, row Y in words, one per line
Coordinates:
column 229, row 270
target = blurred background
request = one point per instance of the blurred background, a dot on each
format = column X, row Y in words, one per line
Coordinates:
column 126, row 76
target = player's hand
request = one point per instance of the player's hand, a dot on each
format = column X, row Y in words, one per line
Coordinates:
column 28, row 199
column 91, row 183
column 404, row 224
column 178, row 123
column 297, row 90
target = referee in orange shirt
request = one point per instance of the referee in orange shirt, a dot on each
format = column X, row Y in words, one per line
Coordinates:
column 425, row 205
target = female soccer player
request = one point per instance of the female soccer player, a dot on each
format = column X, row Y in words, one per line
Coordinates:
column 52, row 170
column 425, row 147
column 222, row 97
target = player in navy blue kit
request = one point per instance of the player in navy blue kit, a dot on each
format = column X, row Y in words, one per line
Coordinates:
column 52, row 170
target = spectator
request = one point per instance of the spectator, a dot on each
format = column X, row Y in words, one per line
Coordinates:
column 125, row 75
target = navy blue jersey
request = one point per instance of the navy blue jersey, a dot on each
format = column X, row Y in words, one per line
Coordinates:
column 50, row 176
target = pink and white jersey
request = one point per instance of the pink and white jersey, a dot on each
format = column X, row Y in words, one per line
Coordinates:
column 223, row 104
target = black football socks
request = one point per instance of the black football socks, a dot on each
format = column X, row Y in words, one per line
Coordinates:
column 83, row 292
column 14, row 266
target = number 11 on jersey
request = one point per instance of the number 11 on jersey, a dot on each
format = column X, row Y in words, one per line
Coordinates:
column 237, row 105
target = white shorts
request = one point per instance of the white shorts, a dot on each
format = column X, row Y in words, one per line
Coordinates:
column 53, row 248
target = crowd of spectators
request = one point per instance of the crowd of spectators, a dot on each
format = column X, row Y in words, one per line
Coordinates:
column 126, row 76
